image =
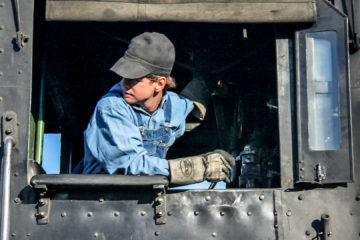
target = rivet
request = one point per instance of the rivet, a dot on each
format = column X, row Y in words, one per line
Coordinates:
column 196, row 213
column 249, row 213
column 159, row 214
column 1, row 50
column 207, row 198
column 2, row 4
column 262, row 197
column 302, row 169
column 351, row 214
column 301, row 176
column 288, row 213
column 101, row 199
column 357, row 198
column 89, row 214
column 2, row 27
column 157, row 233
column 213, row 234
column 276, row 226
column 275, row 213
column 116, row 214
column 13, row 234
column 142, row 213
column 42, row 215
column 170, row 213
column 17, row 200
column 301, row 161
column 20, row 71
column 307, row 232
column 222, row 213
column 301, row 197
column 28, row 234
column 96, row 235
column 1, row 73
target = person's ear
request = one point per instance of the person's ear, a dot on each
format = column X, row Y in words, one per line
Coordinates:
column 161, row 84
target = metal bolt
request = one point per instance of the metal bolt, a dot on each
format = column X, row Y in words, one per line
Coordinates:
column 42, row 202
column 302, row 169
column 13, row 234
column 157, row 233
column 101, row 199
column 196, row 213
column 41, row 214
column 9, row 117
column 207, row 198
column 2, row 27
column 213, row 234
column 1, row 50
column 329, row 234
column 301, row 197
column 159, row 214
column 116, row 214
column 249, row 213
column 222, row 213
column 28, row 234
column 170, row 213
column 2, row 4
column 276, row 226
column 307, row 232
column 96, row 235
column 275, row 213
column 142, row 213
column 17, row 200
column 288, row 213
column 8, row 131
column 301, row 176
column 262, row 197
column 89, row 214
column 63, row 214
column 159, row 201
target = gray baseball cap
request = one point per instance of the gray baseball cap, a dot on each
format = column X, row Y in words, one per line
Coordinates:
column 150, row 52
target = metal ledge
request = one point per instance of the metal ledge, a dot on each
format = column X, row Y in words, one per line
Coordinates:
column 83, row 181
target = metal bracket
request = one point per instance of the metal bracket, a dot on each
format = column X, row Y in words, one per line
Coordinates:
column 320, row 173
column 43, row 211
column 327, row 234
column 10, row 126
column 160, row 204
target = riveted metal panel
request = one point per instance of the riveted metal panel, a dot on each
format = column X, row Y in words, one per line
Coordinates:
column 129, row 214
column 303, row 210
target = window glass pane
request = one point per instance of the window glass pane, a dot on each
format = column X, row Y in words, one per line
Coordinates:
column 323, row 91
column 51, row 153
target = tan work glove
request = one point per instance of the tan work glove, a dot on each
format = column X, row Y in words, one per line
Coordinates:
column 213, row 166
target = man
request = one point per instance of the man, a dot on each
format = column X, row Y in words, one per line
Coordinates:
column 133, row 125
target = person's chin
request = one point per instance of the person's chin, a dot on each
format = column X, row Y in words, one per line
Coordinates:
column 130, row 100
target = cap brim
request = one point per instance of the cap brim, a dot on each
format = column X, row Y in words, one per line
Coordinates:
column 129, row 69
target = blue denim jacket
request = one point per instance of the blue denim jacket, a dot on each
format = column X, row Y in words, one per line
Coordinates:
column 113, row 142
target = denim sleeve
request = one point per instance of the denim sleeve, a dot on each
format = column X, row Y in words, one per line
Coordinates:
column 183, row 107
column 115, row 141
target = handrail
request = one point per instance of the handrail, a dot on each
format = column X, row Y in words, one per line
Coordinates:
column 94, row 181
column 5, row 201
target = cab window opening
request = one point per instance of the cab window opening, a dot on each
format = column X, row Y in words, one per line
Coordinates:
column 237, row 61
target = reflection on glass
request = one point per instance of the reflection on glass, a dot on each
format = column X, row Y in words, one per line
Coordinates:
column 323, row 91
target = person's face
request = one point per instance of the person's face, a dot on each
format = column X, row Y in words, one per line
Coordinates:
column 138, row 91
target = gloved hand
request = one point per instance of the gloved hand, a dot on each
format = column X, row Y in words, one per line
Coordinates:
column 213, row 166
